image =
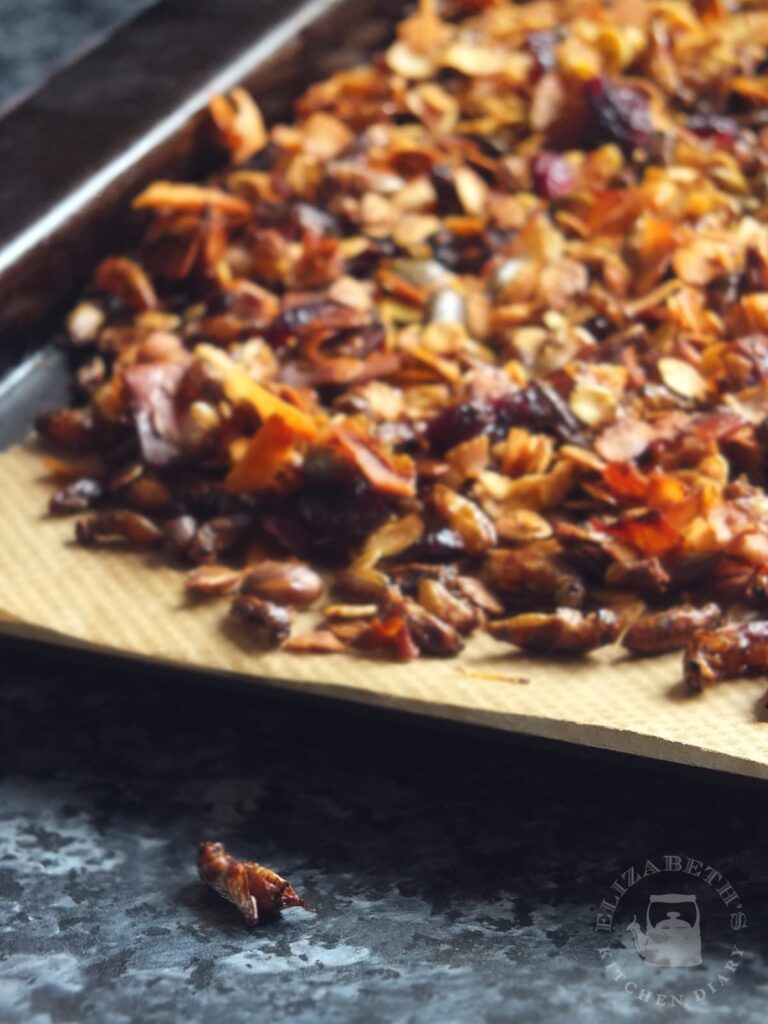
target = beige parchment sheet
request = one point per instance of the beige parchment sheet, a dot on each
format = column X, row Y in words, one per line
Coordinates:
column 133, row 603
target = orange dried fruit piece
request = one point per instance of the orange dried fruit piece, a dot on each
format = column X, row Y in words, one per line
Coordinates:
column 128, row 281
column 175, row 195
column 390, row 474
column 239, row 387
column 626, row 480
column 651, row 533
column 270, row 450
column 239, row 124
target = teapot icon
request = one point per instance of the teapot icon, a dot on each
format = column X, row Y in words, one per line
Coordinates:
column 673, row 936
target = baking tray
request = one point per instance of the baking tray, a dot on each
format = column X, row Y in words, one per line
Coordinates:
column 73, row 155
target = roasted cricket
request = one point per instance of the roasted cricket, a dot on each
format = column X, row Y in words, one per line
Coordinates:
column 258, row 893
column 564, row 631
column 738, row 649
column 482, row 335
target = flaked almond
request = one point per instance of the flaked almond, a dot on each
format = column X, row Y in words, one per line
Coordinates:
column 438, row 109
column 378, row 214
column 353, row 293
column 324, row 137
column 682, row 378
column 582, row 457
column 474, row 60
column 471, row 190
column 535, row 491
column 525, row 453
column 704, row 259
column 407, row 62
column 625, row 439
column 414, row 229
column 593, row 404
column 470, row 458
column 416, row 196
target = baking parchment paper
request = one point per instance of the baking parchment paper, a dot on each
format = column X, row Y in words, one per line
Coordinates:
column 118, row 600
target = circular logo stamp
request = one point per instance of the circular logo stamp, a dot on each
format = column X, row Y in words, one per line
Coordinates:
column 670, row 931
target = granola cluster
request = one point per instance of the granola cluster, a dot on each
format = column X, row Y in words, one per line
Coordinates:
column 483, row 331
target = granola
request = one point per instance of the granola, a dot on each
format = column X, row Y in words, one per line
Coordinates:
column 482, row 334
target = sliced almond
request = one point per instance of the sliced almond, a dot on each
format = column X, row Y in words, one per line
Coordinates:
column 682, row 378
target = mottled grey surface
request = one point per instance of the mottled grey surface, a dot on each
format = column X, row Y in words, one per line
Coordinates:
column 456, row 876
column 38, row 36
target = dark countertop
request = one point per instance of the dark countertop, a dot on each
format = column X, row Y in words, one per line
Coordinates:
column 457, row 874
column 39, row 36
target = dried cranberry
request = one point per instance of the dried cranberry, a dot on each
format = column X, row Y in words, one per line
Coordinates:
column 752, row 347
column 724, row 291
column 292, row 220
column 761, row 435
column 718, row 127
column 327, row 522
column 291, row 321
column 462, row 254
column 265, row 158
column 457, row 424
column 447, row 198
column 538, row 407
column 755, row 272
column 365, row 263
column 278, row 216
column 494, row 146
column 519, row 408
column 201, row 497
column 621, row 113
column 552, row 175
column 599, row 326
column 221, row 303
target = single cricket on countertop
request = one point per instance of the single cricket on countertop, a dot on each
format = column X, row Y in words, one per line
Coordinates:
column 258, row 892
column 478, row 341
